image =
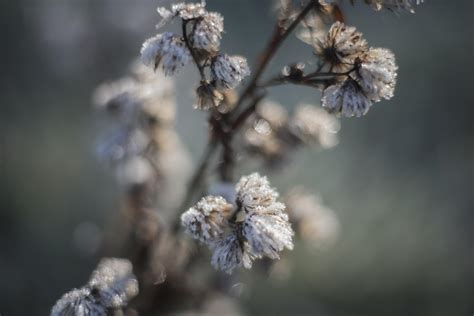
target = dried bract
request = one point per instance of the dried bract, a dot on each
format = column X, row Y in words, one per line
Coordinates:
column 207, row 220
column 346, row 99
column 208, row 97
column 166, row 49
column 79, row 302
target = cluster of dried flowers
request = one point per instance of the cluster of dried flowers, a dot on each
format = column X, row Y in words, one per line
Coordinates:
column 239, row 221
column 109, row 289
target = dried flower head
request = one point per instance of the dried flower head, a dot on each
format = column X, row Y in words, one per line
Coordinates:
column 346, row 99
column 229, row 71
column 314, row 126
column 231, row 253
column 207, row 32
column 208, row 97
column 377, row 74
column 114, row 281
column 111, row 286
column 341, row 46
column 79, row 302
column 207, row 220
column 166, row 49
column 265, row 224
column 394, row 4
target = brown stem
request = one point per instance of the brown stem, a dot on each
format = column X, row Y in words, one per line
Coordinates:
column 191, row 50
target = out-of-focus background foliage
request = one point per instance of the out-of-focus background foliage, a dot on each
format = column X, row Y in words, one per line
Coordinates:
column 401, row 180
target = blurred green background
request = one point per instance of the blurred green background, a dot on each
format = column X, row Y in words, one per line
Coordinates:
column 401, row 180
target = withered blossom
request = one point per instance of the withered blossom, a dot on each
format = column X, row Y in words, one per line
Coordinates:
column 208, row 219
column 346, row 99
column 229, row 71
column 208, row 97
column 314, row 126
column 110, row 287
column 207, row 32
column 166, row 49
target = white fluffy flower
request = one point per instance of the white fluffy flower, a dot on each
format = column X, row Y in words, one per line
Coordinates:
column 207, row 220
column 230, row 253
column 377, row 74
column 207, row 33
column 186, row 11
column 346, row 99
column 229, row 71
column 314, row 126
column 79, row 302
column 166, row 49
column 265, row 222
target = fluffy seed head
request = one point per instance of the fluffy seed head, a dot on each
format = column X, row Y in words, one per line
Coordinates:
column 79, row 302
column 231, row 253
column 346, row 99
column 207, row 33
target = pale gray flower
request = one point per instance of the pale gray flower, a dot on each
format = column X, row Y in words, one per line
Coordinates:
column 185, row 11
column 314, row 126
column 207, row 32
column 229, row 71
column 208, row 219
column 346, row 99
column 166, row 49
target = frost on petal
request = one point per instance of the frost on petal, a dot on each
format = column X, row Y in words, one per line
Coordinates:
column 394, row 5
column 231, row 253
column 207, row 33
column 114, row 281
column 377, row 74
column 346, row 99
column 268, row 231
column 254, row 191
column 229, row 71
column 314, row 126
column 207, row 220
column 188, row 11
column 79, row 302
column 166, row 49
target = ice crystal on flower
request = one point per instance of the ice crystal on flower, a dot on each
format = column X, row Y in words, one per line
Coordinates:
column 346, row 99
column 394, row 4
column 114, row 281
column 166, row 49
column 265, row 225
column 229, row 71
column 231, row 253
column 341, row 46
column 111, row 286
column 79, row 302
column 207, row 32
column 207, row 220
column 314, row 126
column 377, row 74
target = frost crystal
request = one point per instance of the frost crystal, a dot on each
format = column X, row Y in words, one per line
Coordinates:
column 79, row 302
column 265, row 225
column 229, row 71
column 341, row 46
column 207, row 33
column 230, row 253
column 314, row 126
column 346, row 99
column 167, row 49
column 377, row 74
column 207, row 220
column 111, row 286
column 394, row 4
